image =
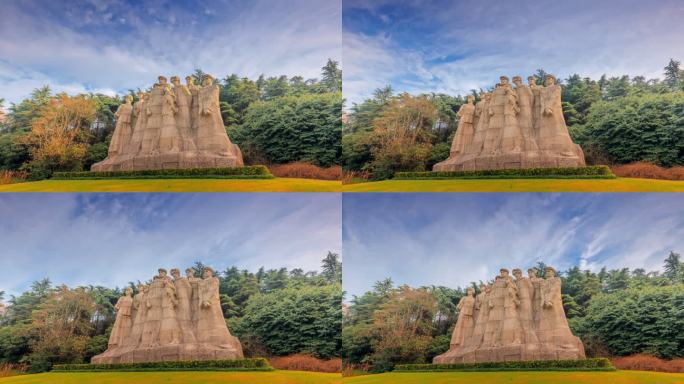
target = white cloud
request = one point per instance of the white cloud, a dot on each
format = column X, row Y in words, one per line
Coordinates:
column 104, row 239
column 453, row 239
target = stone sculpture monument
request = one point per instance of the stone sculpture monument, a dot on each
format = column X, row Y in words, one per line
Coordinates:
column 513, row 128
column 179, row 127
column 171, row 319
column 511, row 320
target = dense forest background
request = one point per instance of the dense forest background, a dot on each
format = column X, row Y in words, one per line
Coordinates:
column 615, row 312
column 274, row 120
column 273, row 312
column 616, row 120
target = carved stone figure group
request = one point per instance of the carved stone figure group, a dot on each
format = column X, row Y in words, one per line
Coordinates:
column 521, row 127
column 179, row 127
column 513, row 319
column 177, row 318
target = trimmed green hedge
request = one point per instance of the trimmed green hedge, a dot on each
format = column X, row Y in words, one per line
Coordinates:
column 592, row 172
column 256, row 364
column 596, row 364
column 251, row 172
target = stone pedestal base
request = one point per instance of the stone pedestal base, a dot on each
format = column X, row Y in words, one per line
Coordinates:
column 177, row 160
column 520, row 160
column 571, row 349
column 178, row 352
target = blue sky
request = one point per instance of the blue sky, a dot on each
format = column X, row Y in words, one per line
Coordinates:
column 452, row 239
column 112, row 46
column 453, row 46
column 110, row 239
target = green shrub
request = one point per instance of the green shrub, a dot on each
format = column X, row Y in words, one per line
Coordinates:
column 256, row 364
column 596, row 171
column 596, row 364
column 251, row 172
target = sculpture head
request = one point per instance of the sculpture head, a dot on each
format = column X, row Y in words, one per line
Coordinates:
column 161, row 80
column 140, row 95
column 487, row 96
column 208, row 272
column 503, row 80
column 207, row 79
column 141, row 288
column 532, row 273
column 531, row 80
column 549, row 272
column 517, row 80
column 470, row 99
column 503, row 272
column 190, row 272
column 483, row 287
column 189, row 80
column 517, row 273
column 549, row 80
column 128, row 99
column 129, row 291
column 470, row 291
column 175, row 273
column 175, row 80
column 162, row 272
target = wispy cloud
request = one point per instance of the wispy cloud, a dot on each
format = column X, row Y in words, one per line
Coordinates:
column 453, row 239
column 453, row 47
column 110, row 239
column 112, row 46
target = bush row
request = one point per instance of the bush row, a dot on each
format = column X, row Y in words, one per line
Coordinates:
column 596, row 171
column 251, row 172
column 545, row 365
column 255, row 364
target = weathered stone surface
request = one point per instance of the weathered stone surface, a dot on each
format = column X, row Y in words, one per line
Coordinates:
column 513, row 128
column 521, row 319
column 170, row 320
column 171, row 128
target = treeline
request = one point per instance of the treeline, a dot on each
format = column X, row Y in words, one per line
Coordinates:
column 616, row 120
column 274, row 120
column 615, row 313
column 273, row 312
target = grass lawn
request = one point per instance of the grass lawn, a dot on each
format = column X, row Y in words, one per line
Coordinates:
column 176, row 185
column 619, row 377
column 519, row 185
column 275, row 377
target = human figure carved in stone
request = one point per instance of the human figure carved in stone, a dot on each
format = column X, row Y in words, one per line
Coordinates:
column 184, row 295
column 480, row 317
column 552, row 136
column 480, row 124
column 535, row 106
column 553, row 325
column 210, row 322
column 123, row 322
column 169, row 137
column 169, row 332
column 511, row 136
column 210, row 129
column 464, row 133
column 464, row 324
column 183, row 117
column 525, row 120
column 153, row 109
column 525, row 311
column 511, row 332
column 139, row 313
column 536, row 295
column 123, row 131
column 194, row 299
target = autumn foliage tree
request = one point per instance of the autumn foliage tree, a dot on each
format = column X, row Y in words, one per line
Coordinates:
column 402, row 136
column 403, row 327
column 61, row 328
column 58, row 140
